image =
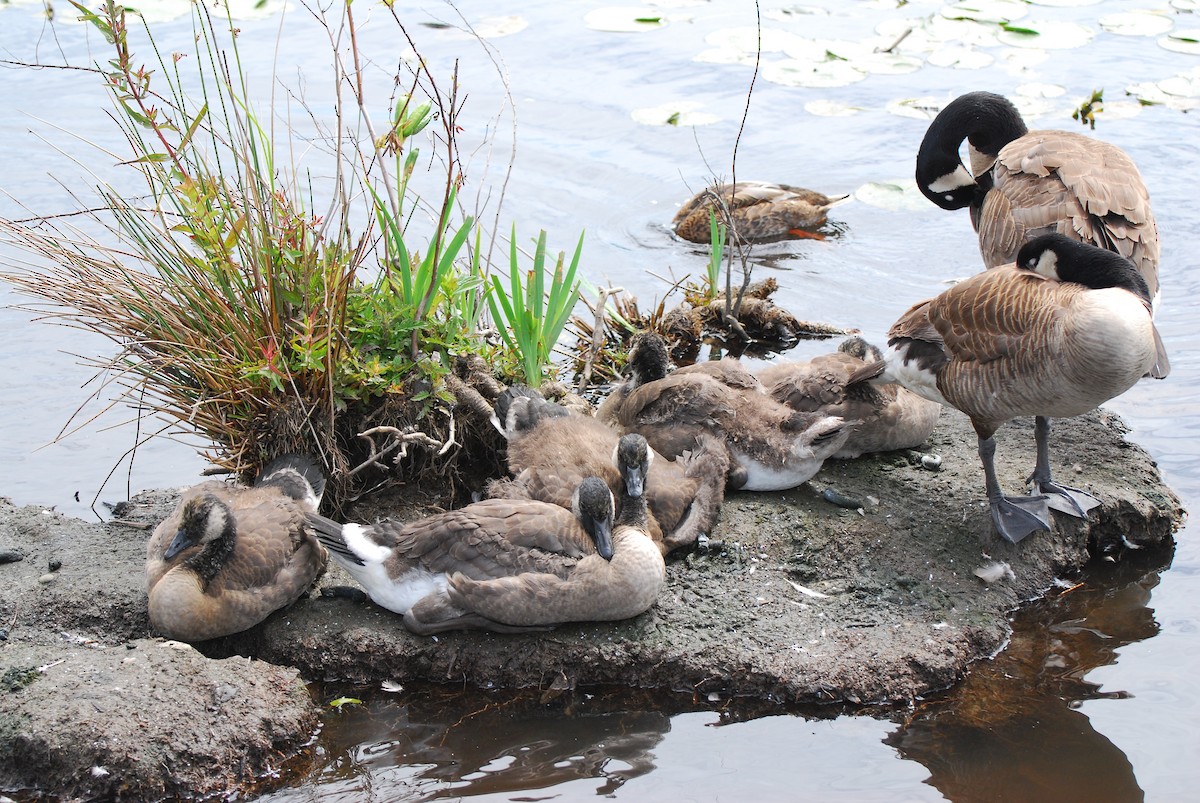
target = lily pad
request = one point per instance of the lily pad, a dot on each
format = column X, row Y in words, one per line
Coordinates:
column 490, row 28
column 747, row 39
column 986, row 10
column 1185, row 5
column 923, row 108
column 961, row 58
column 683, row 113
column 817, row 74
column 625, row 19
column 1137, row 23
column 1051, row 35
column 1041, row 90
column 1182, row 41
column 724, row 55
column 1064, row 3
column 901, row 195
column 831, row 108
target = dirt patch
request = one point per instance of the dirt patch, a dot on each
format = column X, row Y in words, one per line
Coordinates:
column 795, row 600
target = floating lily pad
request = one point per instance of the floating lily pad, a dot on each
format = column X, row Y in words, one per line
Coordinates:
column 818, row 74
column 723, row 55
column 1120, row 110
column 1185, row 5
column 790, row 13
column 986, row 10
column 831, row 108
column 1064, row 3
column 1137, row 23
column 488, row 28
column 924, row 108
column 625, row 19
column 961, row 58
column 1182, row 41
column 746, row 39
column 1051, row 35
column 896, row 196
column 1041, row 90
column 683, row 113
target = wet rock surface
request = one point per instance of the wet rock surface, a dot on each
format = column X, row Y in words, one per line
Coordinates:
column 797, row 598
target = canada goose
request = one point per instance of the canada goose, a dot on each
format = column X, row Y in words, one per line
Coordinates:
column 771, row 447
column 888, row 416
column 551, row 450
column 759, row 210
column 1024, row 183
column 506, row 565
column 1065, row 329
column 228, row 556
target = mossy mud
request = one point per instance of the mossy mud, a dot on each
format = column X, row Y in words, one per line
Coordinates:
column 796, row 599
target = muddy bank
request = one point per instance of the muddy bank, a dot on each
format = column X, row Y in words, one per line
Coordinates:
column 796, row 599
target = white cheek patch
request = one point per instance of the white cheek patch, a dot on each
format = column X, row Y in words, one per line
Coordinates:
column 961, row 177
column 1047, row 265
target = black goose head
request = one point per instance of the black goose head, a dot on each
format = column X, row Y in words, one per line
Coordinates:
column 205, row 522
column 1063, row 259
column 632, row 457
column 989, row 122
column 649, row 359
column 593, row 506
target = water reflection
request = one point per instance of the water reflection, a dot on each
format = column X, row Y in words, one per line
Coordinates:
column 1012, row 729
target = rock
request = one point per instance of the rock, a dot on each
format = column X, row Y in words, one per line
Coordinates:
column 94, row 725
column 795, row 600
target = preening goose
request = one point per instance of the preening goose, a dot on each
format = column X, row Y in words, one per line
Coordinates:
column 550, row 451
column 1024, row 183
column 228, row 556
column 759, row 210
column 771, row 447
column 506, row 565
column 887, row 417
column 1065, row 329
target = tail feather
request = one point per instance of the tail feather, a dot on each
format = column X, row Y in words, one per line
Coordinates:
column 329, row 533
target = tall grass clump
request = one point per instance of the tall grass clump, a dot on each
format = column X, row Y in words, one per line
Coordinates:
column 269, row 311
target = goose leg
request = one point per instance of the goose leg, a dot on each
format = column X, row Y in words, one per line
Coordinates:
column 1014, row 516
column 1062, row 498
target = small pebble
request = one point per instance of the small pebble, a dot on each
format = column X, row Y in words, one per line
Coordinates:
column 47, row 578
column 55, row 564
column 931, row 462
column 11, row 556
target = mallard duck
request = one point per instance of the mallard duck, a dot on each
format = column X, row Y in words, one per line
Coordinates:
column 771, row 447
column 507, row 565
column 1065, row 329
column 229, row 556
column 887, row 416
column 550, row 450
column 759, row 210
column 1023, row 183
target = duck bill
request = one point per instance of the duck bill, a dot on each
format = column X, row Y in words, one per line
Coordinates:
column 180, row 542
column 602, row 536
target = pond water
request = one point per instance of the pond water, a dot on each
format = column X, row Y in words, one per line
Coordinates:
column 1093, row 700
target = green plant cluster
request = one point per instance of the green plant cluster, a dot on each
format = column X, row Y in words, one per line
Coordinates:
column 240, row 311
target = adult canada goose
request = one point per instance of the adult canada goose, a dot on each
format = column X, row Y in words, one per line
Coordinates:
column 507, row 565
column 1065, row 329
column 551, row 450
column 1024, row 183
column 771, row 447
column 228, row 556
column 759, row 210
column 887, row 416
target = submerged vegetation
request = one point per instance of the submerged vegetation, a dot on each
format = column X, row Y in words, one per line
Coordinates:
column 267, row 310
